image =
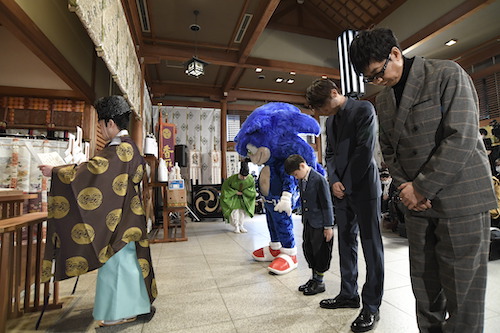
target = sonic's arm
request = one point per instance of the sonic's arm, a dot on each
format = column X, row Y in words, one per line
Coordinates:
column 288, row 188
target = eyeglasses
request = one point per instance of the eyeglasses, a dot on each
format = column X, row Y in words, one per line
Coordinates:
column 370, row 79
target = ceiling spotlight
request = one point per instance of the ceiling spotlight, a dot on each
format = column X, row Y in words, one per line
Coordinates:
column 450, row 42
column 258, row 70
column 290, row 81
column 292, row 73
column 279, row 79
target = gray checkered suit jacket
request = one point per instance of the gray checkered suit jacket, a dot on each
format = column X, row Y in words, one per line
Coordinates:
column 433, row 139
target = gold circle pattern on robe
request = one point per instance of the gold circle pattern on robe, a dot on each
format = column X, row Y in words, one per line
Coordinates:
column 46, row 270
column 125, row 152
column 76, row 266
column 120, row 184
column 133, row 234
column 139, row 173
column 89, row 198
column 144, row 267
column 50, row 208
column 82, row 233
column 154, row 290
column 136, row 206
column 56, row 240
column 66, row 174
column 98, row 165
column 58, row 207
column 113, row 218
column 144, row 242
column 106, row 253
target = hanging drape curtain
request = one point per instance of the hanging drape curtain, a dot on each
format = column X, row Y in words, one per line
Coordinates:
column 196, row 128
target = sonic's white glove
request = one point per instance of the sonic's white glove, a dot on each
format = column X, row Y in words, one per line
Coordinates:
column 285, row 203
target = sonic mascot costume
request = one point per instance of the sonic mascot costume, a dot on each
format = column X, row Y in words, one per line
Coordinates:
column 268, row 136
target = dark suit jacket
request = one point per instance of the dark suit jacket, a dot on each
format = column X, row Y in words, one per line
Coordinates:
column 316, row 200
column 350, row 150
column 433, row 139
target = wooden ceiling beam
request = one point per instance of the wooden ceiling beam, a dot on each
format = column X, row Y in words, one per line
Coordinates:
column 480, row 53
column 324, row 19
column 365, row 11
column 174, row 102
column 20, row 25
column 486, row 72
column 253, row 33
column 266, row 96
column 163, row 90
column 283, row 11
column 232, row 108
column 285, row 66
column 234, row 76
column 189, row 44
column 154, row 54
column 355, row 4
column 134, row 23
column 237, row 26
column 176, row 89
column 460, row 12
column 37, row 92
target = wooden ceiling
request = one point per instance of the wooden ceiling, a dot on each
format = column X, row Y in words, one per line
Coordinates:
column 281, row 36
column 291, row 35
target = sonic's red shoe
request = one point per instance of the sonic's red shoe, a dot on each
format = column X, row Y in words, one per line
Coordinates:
column 283, row 264
column 265, row 254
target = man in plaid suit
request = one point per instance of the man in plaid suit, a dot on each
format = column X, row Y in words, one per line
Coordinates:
column 429, row 135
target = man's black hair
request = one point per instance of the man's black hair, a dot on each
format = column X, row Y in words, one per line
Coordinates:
column 292, row 163
column 371, row 46
column 113, row 107
column 319, row 92
column 244, row 170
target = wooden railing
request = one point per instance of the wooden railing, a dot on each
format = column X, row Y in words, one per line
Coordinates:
column 21, row 252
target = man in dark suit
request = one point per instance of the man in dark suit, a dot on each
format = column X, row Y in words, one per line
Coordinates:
column 429, row 137
column 351, row 131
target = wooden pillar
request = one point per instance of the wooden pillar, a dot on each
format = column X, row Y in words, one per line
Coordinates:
column 136, row 131
column 90, row 127
column 223, row 136
column 136, row 123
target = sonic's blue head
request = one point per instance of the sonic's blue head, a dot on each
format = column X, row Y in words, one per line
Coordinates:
column 276, row 126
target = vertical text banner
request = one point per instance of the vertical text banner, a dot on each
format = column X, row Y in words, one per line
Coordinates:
column 167, row 143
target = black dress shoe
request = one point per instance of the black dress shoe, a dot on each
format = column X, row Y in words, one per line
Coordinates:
column 305, row 285
column 314, row 288
column 340, row 302
column 366, row 321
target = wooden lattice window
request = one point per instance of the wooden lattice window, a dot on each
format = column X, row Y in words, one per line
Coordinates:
column 489, row 96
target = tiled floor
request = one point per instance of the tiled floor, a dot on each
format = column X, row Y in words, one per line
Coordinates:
column 211, row 284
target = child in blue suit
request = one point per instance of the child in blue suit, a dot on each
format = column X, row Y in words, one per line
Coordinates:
column 317, row 217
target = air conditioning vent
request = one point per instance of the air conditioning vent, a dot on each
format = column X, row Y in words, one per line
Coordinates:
column 142, row 8
column 245, row 22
